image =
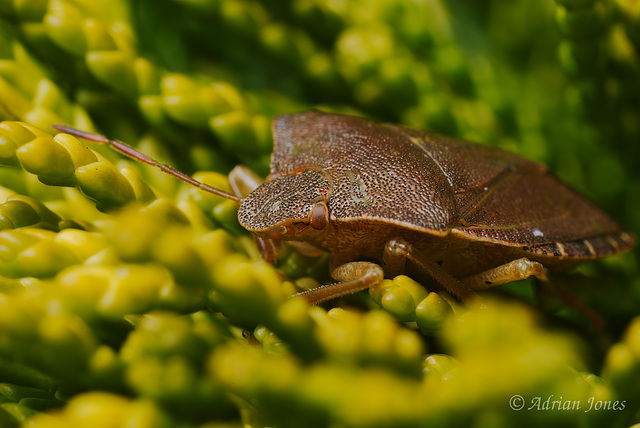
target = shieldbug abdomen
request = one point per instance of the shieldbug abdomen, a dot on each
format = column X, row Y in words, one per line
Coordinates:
column 384, row 199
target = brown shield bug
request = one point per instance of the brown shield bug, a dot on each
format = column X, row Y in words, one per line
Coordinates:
column 384, row 199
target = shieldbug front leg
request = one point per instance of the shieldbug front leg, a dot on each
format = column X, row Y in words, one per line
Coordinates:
column 243, row 181
column 354, row 276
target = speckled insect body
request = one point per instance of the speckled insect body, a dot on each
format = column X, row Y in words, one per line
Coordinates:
column 385, row 199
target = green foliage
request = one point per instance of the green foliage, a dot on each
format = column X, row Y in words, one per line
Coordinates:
column 127, row 299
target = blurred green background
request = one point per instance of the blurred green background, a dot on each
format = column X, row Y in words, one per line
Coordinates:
column 129, row 299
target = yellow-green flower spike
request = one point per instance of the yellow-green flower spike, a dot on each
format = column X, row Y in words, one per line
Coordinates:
column 207, row 202
column 234, row 130
column 182, row 101
column 97, row 408
column 133, row 289
column 82, row 286
column 83, row 244
column 432, row 312
column 32, row 252
column 60, row 334
column 622, row 365
column 14, row 135
column 80, row 154
column 114, row 68
column 64, row 161
column 399, row 296
column 97, row 36
column 48, row 160
column 164, row 357
column 15, row 214
column 64, row 25
column 103, row 182
column 399, row 302
column 255, row 289
column 438, row 365
column 19, row 211
column 370, row 339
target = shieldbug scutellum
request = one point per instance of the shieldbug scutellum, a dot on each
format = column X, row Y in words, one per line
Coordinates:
column 384, row 199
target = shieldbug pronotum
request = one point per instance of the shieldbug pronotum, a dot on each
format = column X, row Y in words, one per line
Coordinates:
column 384, row 199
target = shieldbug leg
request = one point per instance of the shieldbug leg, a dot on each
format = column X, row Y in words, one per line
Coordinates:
column 550, row 294
column 513, row 271
column 354, row 276
column 244, row 181
column 397, row 252
column 306, row 249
